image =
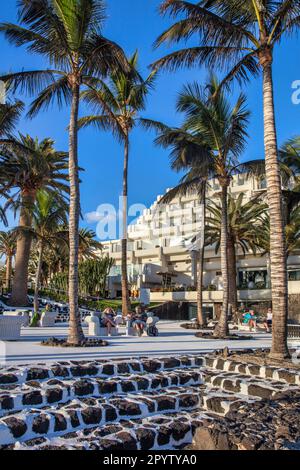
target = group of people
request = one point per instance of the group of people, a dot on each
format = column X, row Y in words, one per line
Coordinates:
column 138, row 319
column 249, row 318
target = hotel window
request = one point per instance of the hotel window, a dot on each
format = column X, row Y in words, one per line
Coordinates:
column 262, row 183
column 240, row 180
column 294, row 275
column 253, row 279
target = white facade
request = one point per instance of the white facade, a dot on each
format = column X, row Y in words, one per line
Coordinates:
column 161, row 252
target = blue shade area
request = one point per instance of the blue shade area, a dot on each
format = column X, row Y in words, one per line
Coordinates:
column 135, row 24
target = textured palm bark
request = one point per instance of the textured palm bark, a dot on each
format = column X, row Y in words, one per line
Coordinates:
column 221, row 329
column 232, row 275
column 76, row 335
column 8, row 272
column 200, row 314
column 278, row 261
column 38, row 278
column 20, row 281
column 125, row 288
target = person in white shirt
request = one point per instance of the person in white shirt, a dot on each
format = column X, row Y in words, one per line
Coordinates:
column 269, row 320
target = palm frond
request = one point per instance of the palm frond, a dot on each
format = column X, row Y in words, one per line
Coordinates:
column 58, row 91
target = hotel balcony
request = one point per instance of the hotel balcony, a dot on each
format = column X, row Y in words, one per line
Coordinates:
column 216, row 296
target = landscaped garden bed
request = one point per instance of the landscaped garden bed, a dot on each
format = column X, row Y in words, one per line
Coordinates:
column 232, row 337
column 63, row 343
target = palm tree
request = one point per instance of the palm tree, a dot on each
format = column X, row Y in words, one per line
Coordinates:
column 240, row 36
column 117, row 106
column 246, row 230
column 292, row 231
column 47, row 214
column 289, row 154
column 219, row 129
column 223, row 130
column 88, row 246
column 8, row 249
column 190, row 154
column 28, row 166
column 9, row 116
column 68, row 34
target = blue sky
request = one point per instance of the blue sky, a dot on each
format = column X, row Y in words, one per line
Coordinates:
column 135, row 24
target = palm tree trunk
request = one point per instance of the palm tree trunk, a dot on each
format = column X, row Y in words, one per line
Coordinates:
column 200, row 315
column 8, row 272
column 38, row 278
column 233, row 301
column 76, row 335
column 222, row 327
column 277, row 235
column 20, row 282
column 125, row 289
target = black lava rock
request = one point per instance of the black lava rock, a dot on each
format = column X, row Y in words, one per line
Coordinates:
column 37, row 374
column 40, row 424
column 83, row 387
column 17, row 427
column 53, row 395
column 91, row 415
column 32, row 398
column 146, row 438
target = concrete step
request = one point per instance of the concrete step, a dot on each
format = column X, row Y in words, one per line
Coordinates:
column 91, row 412
column 221, row 403
column 39, row 394
column 100, row 368
column 288, row 376
column 163, row 431
column 247, row 385
column 116, row 404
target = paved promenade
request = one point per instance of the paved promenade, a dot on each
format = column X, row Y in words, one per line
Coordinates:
column 172, row 340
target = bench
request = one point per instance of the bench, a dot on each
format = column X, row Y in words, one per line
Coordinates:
column 96, row 330
column 10, row 327
column 19, row 313
column 48, row 319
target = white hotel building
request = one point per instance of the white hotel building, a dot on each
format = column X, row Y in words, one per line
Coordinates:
column 162, row 258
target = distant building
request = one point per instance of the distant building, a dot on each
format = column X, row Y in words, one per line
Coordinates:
column 162, row 254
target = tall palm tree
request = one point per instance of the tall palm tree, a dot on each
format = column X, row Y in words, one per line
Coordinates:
column 240, row 36
column 27, row 166
column 221, row 131
column 8, row 249
column 189, row 154
column 68, row 34
column 246, row 230
column 117, row 106
column 47, row 214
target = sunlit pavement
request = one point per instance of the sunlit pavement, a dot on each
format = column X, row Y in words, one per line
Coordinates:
column 172, row 340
